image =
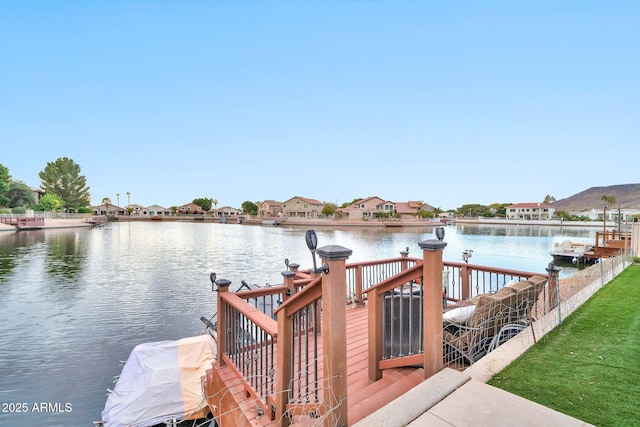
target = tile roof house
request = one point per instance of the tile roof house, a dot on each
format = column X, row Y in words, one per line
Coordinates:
column 37, row 193
column 109, row 209
column 190, row 208
column 409, row 209
column 137, row 210
column 270, row 208
column 228, row 211
column 368, row 208
column 158, row 210
column 302, row 207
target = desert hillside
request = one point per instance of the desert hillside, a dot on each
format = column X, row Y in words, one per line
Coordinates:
column 627, row 196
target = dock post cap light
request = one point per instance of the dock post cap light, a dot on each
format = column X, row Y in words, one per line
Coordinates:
column 312, row 240
column 212, row 276
column 312, row 244
column 552, row 268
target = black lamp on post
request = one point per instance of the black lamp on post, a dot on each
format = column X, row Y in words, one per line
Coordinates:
column 312, row 244
column 212, row 276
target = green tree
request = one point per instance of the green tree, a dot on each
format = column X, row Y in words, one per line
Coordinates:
column 50, row 202
column 62, row 178
column 608, row 200
column 204, row 203
column 345, row 204
column 106, row 201
column 329, row 209
column 5, row 183
column 425, row 214
column 497, row 210
column 548, row 199
column 249, row 208
column 20, row 195
column 472, row 209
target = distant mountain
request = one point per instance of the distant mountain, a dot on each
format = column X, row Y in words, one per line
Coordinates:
column 627, row 196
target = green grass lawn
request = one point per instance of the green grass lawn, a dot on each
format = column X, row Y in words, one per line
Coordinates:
column 588, row 367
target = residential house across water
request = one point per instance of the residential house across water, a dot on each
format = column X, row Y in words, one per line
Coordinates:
column 530, row 211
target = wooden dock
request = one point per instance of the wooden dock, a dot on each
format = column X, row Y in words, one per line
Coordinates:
column 345, row 340
column 24, row 222
column 237, row 407
column 609, row 244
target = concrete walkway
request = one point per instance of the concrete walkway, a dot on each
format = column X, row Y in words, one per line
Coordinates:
column 453, row 398
column 463, row 399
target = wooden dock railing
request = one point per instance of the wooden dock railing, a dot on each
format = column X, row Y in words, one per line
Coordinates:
column 292, row 361
column 21, row 222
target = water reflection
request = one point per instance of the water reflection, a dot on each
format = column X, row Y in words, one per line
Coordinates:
column 66, row 253
column 15, row 248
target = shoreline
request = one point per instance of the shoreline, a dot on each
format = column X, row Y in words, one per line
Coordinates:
column 82, row 222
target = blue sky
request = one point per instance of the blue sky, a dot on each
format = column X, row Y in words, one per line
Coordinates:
column 449, row 102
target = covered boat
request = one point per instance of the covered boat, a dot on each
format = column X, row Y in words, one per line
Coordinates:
column 570, row 251
column 161, row 381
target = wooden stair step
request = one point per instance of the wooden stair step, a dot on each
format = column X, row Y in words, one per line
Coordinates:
column 381, row 393
column 363, row 388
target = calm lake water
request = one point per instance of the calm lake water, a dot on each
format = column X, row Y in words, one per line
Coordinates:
column 74, row 302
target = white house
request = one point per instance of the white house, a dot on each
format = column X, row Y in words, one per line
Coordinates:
column 154, row 210
column 530, row 211
column 612, row 214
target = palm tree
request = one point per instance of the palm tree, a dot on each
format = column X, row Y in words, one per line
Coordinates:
column 128, row 198
column 106, row 201
column 608, row 201
column 118, row 198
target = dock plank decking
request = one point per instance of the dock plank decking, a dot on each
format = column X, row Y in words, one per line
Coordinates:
column 222, row 386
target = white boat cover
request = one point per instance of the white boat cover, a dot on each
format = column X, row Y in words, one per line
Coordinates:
column 161, row 381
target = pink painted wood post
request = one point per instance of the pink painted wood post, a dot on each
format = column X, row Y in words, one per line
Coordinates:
column 334, row 332
column 375, row 332
column 405, row 259
column 283, row 377
column 358, row 285
column 554, row 289
column 221, row 332
column 288, row 283
column 432, row 290
column 465, row 282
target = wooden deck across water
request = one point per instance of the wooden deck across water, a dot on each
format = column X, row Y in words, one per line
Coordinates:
column 226, row 393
